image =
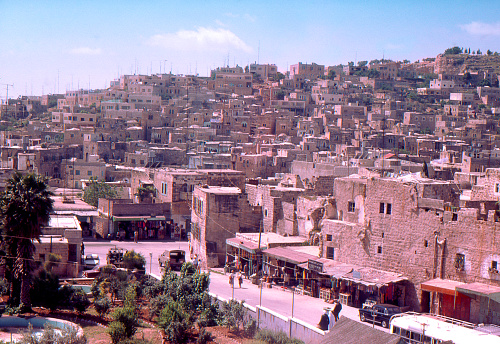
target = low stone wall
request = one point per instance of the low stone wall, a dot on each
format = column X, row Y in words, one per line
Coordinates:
column 276, row 322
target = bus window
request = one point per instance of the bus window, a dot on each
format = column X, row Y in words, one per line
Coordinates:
column 396, row 330
column 427, row 340
column 415, row 336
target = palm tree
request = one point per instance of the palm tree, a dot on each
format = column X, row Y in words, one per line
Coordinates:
column 25, row 206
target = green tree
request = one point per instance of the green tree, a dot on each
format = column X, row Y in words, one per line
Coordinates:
column 97, row 189
column 331, row 74
column 485, row 82
column 25, row 206
column 478, row 52
column 147, row 191
column 453, row 51
column 134, row 260
column 362, row 63
column 489, row 52
column 279, row 76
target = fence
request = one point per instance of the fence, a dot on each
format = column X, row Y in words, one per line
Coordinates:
column 273, row 321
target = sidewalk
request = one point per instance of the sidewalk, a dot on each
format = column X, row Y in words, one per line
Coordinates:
column 305, row 308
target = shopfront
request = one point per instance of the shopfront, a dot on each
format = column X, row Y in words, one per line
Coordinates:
column 280, row 265
column 243, row 255
column 140, row 227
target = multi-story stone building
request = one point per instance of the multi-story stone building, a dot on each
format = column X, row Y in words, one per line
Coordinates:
column 419, row 228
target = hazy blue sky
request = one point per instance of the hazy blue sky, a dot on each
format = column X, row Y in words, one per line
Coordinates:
column 53, row 46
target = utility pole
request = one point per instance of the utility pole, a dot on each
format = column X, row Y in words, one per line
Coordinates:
column 7, row 97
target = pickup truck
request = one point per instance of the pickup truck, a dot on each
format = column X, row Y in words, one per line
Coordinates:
column 379, row 314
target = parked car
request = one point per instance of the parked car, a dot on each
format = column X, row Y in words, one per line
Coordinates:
column 172, row 258
column 379, row 314
column 115, row 256
column 98, row 269
column 90, row 261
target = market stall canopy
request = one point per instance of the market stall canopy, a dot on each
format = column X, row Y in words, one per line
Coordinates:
column 481, row 289
column 373, row 277
column 138, row 218
column 288, row 255
column 246, row 245
column 329, row 267
column 442, row 286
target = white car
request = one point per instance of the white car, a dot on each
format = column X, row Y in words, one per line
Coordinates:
column 90, row 261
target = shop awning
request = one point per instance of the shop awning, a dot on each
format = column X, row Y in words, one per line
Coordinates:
column 288, row 255
column 138, row 218
column 373, row 277
column 331, row 268
column 442, row 286
column 481, row 289
column 246, row 245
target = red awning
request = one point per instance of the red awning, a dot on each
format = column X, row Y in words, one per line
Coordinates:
column 442, row 286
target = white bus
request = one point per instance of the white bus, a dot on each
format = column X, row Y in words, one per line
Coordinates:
column 433, row 329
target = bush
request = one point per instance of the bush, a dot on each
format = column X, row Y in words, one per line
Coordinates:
column 4, row 286
column 270, row 337
column 175, row 323
column 79, row 300
column 128, row 318
column 102, row 305
column 250, row 328
column 204, row 337
column 233, row 314
column 134, row 260
column 51, row 335
column 116, row 331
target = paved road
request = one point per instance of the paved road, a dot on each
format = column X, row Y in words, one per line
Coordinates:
column 306, row 308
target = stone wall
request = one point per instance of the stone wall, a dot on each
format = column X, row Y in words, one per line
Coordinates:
column 406, row 239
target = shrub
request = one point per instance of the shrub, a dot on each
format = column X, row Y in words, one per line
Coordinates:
column 204, row 337
column 116, row 331
column 79, row 300
column 250, row 328
column 51, row 335
column 233, row 314
column 128, row 318
column 270, row 337
column 102, row 305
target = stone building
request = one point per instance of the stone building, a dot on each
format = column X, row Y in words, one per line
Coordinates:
column 218, row 213
column 416, row 227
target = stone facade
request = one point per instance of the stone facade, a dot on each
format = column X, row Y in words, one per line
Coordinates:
column 218, row 213
column 414, row 227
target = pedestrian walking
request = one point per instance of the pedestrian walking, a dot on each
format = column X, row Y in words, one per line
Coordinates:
column 240, row 279
column 231, row 279
column 195, row 262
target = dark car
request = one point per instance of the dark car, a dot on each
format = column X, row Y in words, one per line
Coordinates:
column 172, row 258
column 110, row 268
column 379, row 314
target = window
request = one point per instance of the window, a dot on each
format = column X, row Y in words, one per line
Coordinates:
column 351, row 206
column 77, row 172
column 382, row 208
column 330, row 252
column 460, row 262
column 494, row 265
column 265, row 212
column 379, row 249
column 328, row 237
column 497, row 187
column 389, row 209
column 89, row 173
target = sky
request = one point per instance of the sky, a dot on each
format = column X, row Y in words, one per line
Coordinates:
column 57, row 46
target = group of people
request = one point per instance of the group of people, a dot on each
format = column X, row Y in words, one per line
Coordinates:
column 237, row 276
column 330, row 317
